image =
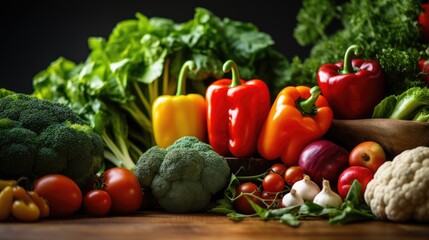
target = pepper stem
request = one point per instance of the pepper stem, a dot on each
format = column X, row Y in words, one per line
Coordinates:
column 308, row 106
column 227, row 66
column 181, row 83
column 352, row 51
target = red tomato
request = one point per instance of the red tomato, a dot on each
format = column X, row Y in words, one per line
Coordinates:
column 124, row 189
column 273, row 182
column 293, row 174
column 273, row 200
column 97, row 202
column 241, row 203
column 279, row 168
column 62, row 193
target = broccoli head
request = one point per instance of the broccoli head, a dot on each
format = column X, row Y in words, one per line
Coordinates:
column 183, row 177
column 41, row 137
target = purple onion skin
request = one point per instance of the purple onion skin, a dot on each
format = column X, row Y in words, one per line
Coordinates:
column 323, row 159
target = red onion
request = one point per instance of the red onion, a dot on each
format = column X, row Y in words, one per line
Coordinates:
column 323, row 159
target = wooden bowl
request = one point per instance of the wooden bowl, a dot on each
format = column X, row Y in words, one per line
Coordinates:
column 393, row 135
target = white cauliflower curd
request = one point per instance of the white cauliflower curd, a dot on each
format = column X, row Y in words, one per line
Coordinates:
column 399, row 191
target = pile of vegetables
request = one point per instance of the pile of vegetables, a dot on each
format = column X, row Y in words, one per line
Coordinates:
column 109, row 108
column 387, row 30
column 268, row 197
column 114, row 89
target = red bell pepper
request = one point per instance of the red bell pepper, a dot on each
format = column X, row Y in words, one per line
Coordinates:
column 236, row 111
column 423, row 21
column 352, row 87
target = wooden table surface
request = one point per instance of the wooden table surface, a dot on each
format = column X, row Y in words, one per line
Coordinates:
column 159, row 225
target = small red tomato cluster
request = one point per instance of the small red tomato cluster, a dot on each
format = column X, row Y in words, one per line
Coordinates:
column 116, row 191
column 359, row 164
column 269, row 193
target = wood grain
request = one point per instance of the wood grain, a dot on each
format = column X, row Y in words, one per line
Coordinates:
column 160, row 225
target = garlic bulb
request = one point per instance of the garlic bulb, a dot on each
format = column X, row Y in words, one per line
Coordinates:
column 292, row 198
column 306, row 188
column 327, row 197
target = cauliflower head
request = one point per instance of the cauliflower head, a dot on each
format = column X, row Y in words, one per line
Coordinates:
column 183, row 177
column 399, row 191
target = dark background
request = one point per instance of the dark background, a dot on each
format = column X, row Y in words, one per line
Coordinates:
column 35, row 33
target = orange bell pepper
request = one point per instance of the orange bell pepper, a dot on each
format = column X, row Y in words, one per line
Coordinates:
column 181, row 115
column 297, row 117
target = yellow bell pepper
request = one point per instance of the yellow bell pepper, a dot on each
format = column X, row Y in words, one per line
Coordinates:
column 175, row 116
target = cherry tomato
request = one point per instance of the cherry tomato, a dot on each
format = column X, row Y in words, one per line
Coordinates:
column 273, row 200
column 124, row 189
column 273, row 183
column 241, row 203
column 293, row 174
column 62, row 193
column 279, row 168
column 97, row 202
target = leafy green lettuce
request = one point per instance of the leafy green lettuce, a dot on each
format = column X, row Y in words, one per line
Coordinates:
column 412, row 104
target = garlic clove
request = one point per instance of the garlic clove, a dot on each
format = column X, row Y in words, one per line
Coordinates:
column 306, row 188
column 292, row 198
column 327, row 197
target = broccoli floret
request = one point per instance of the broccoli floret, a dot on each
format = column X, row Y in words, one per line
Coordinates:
column 183, row 177
column 40, row 137
column 190, row 142
column 150, row 161
column 214, row 164
column 5, row 92
column 34, row 113
column 18, row 149
column 66, row 139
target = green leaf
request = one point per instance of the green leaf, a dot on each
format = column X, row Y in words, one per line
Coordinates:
column 350, row 214
column 223, row 206
column 238, row 216
column 290, row 220
column 310, row 209
column 353, row 209
column 260, row 211
column 276, row 213
column 354, row 194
